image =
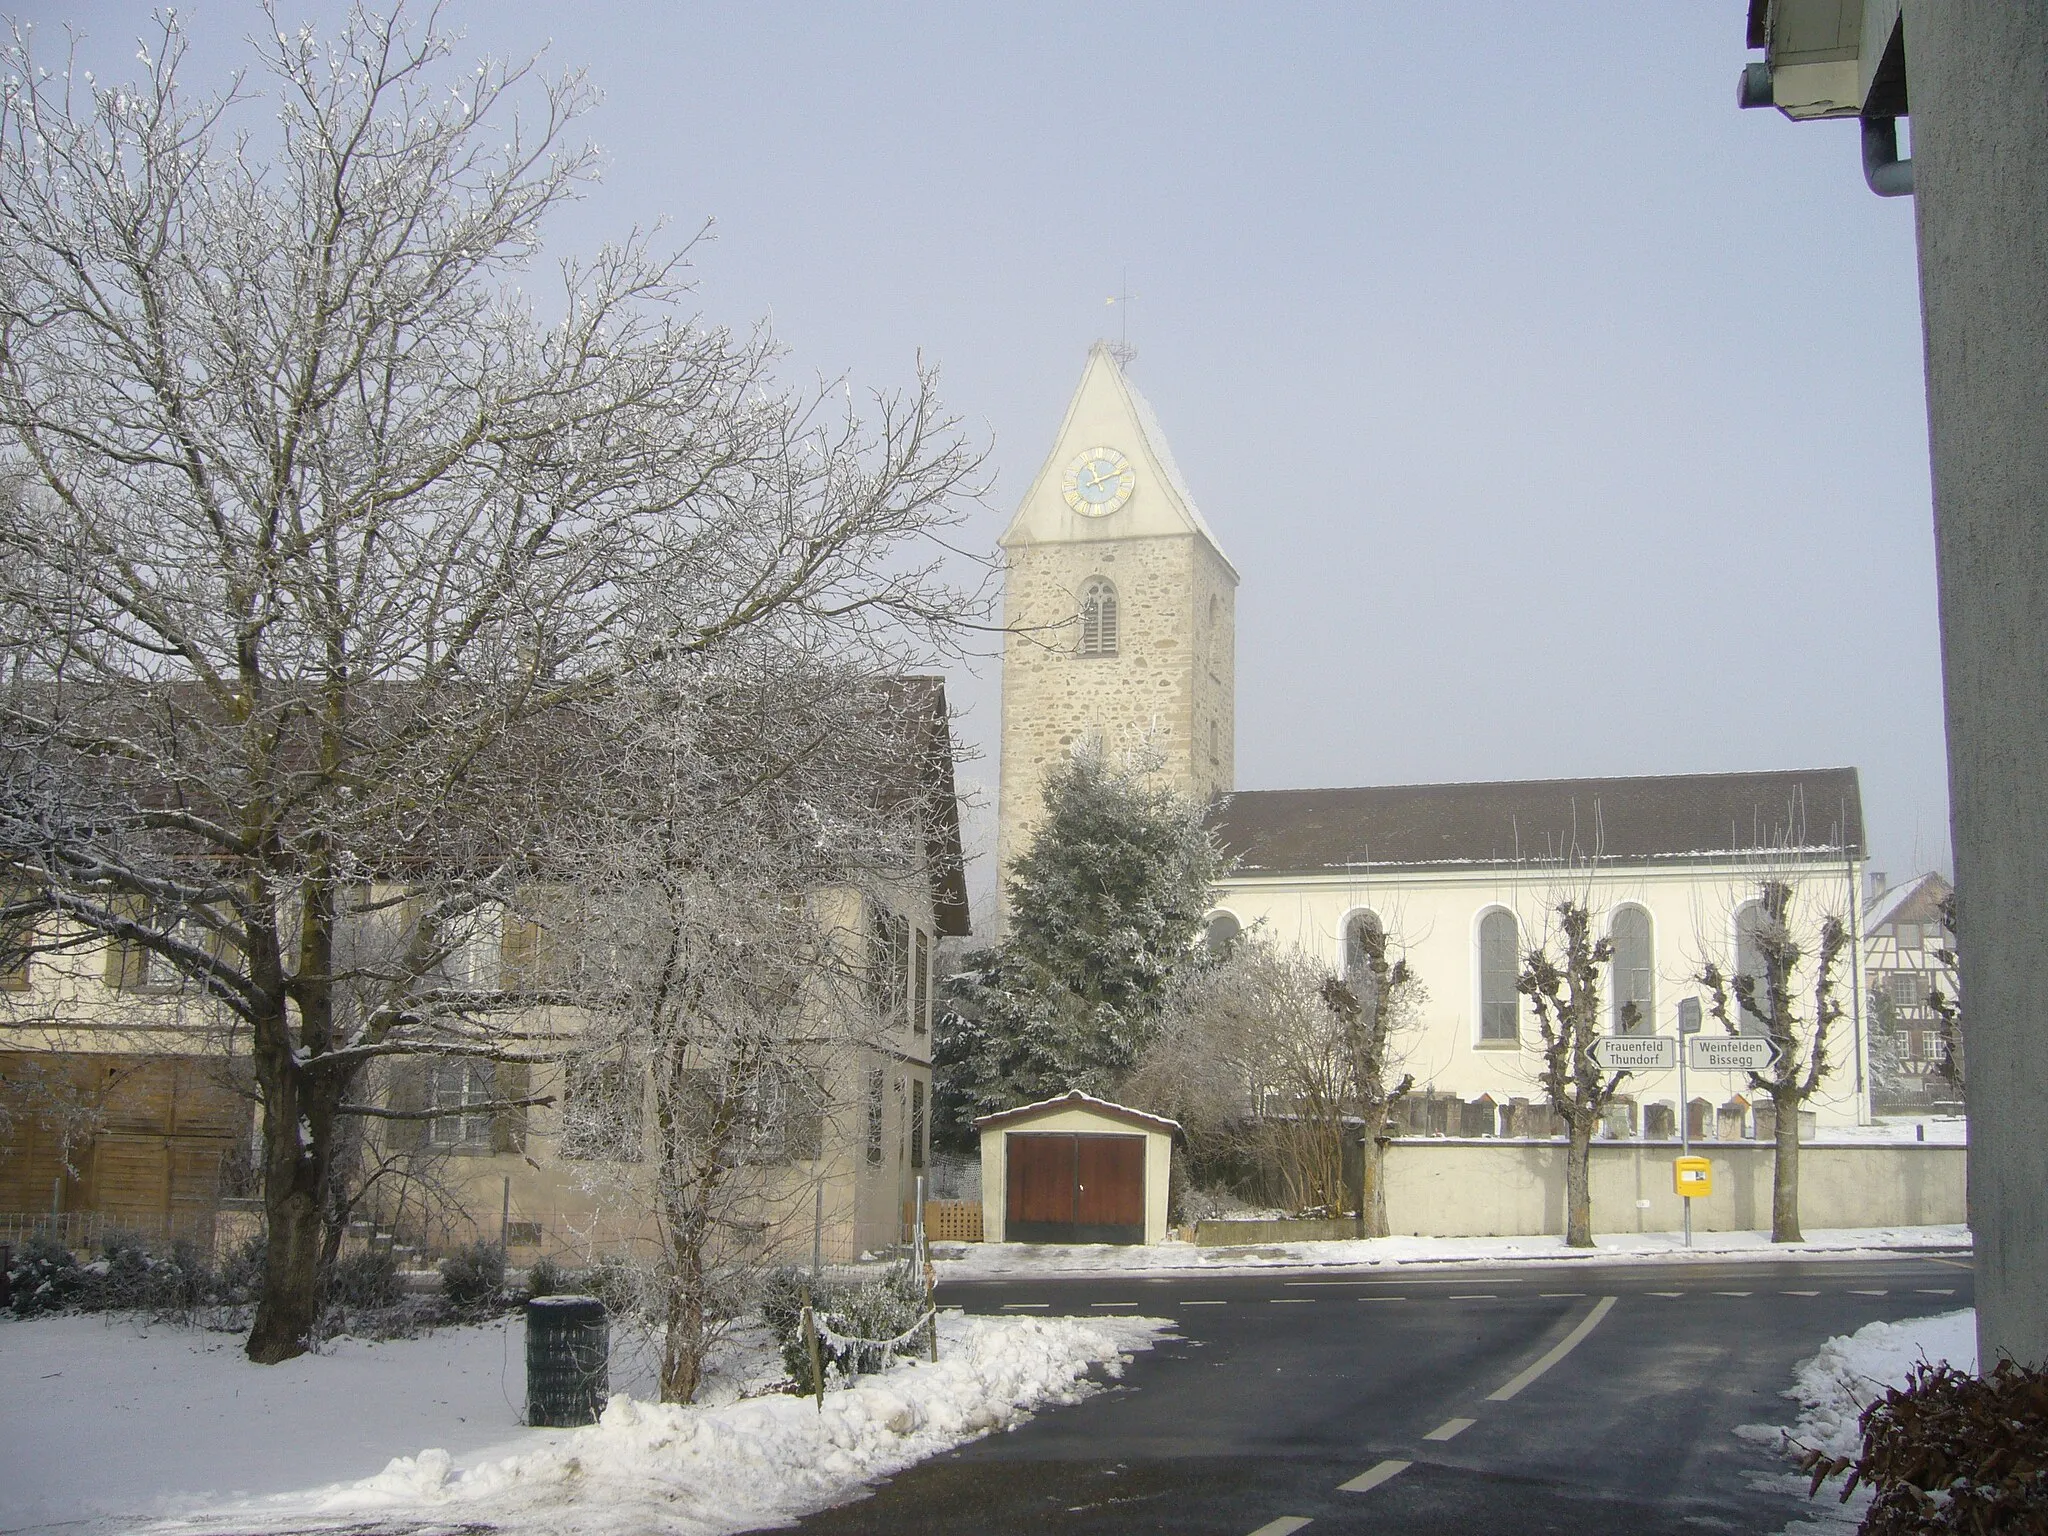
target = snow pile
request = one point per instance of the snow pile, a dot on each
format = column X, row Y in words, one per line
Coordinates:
column 1849, row 1374
column 649, row 1467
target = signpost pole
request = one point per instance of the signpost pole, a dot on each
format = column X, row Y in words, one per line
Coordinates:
column 1688, row 1024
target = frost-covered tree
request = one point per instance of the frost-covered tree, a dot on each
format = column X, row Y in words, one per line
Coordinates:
column 330, row 535
column 711, row 918
column 1104, row 909
column 1789, row 989
column 1561, row 978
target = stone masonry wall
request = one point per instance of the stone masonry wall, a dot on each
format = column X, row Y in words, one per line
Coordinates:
column 1172, row 677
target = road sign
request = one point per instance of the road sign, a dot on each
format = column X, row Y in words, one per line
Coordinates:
column 1635, row 1053
column 1688, row 1015
column 1730, row 1053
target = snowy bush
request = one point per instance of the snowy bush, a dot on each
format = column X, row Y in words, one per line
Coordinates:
column 367, row 1279
column 849, row 1317
column 473, row 1276
column 547, row 1278
column 44, row 1278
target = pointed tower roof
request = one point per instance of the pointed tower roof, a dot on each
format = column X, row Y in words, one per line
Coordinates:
column 1108, row 412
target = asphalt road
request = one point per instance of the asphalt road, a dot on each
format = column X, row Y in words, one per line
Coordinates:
column 1284, row 1386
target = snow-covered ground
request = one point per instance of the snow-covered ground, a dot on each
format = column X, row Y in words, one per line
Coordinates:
column 978, row 1261
column 1836, row 1384
column 102, row 1423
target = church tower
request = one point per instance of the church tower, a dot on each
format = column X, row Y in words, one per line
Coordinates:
column 1121, row 610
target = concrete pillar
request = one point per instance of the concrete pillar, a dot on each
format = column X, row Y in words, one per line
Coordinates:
column 1977, row 77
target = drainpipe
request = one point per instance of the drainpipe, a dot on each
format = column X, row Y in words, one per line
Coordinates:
column 1886, row 174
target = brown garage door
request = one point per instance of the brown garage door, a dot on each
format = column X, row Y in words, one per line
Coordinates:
column 1075, row 1188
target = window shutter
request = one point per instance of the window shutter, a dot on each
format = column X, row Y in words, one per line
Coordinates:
column 407, row 1090
column 508, row 1126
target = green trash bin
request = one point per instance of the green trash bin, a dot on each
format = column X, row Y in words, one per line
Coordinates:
column 568, row 1360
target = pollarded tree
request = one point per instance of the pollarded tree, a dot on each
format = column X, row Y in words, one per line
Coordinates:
column 1767, row 990
column 1564, row 987
column 1377, row 998
column 327, row 542
column 1104, row 909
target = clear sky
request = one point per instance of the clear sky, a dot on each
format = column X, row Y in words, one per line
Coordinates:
column 1562, row 419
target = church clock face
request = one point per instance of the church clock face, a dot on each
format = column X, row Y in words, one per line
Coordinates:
column 1099, row 481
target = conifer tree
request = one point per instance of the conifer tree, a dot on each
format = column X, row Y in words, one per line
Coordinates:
column 1104, row 910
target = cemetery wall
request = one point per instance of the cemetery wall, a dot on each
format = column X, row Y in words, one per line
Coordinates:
column 1497, row 1188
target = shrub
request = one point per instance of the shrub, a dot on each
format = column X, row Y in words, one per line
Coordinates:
column 45, row 1277
column 1952, row 1453
column 879, row 1310
column 547, row 1278
column 367, row 1278
column 473, row 1275
column 241, row 1274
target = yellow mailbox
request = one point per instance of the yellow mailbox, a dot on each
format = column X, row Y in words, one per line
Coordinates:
column 1692, row 1177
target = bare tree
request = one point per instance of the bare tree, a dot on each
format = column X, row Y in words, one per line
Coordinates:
column 1260, row 1056
column 1565, row 988
column 753, row 828
column 1947, row 1005
column 1376, row 999
column 330, row 541
column 1769, row 994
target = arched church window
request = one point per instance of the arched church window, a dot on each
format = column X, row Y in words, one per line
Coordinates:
column 1098, row 618
column 1221, row 933
column 1749, row 961
column 1634, row 971
column 1499, row 1004
column 1364, row 937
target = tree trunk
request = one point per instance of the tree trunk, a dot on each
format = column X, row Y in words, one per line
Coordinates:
column 298, row 1152
column 682, row 1345
column 1785, row 1172
column 1578, row 1184
column 1372, row 1205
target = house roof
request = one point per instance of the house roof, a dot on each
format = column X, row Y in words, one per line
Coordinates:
column 1074, row 1098
column 1801, row 813
column 1913, row 901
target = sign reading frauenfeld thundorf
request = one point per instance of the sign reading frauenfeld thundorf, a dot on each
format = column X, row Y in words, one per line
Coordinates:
column 1635, row 1053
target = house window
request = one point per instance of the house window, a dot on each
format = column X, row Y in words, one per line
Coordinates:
column 601, row 1111
column 1633, row 971
column 457, row 1090
column 530, row 951
column 1908, row 989
column 1749, row 961
column 917, row 1122
column 1098, row 619
column 1499, row 1005
column 877, row 1084
column 1221, row 934
column 889, row 964
column 16, row 940
column 921, row 984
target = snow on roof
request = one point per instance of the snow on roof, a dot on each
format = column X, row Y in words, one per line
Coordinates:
column 1155, row 439
column 1888, row 905
column 1074, row 1098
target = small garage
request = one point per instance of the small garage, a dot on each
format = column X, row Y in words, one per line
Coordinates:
column 1075, row 1169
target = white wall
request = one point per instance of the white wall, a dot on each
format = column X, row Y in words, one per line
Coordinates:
column 1432, row 917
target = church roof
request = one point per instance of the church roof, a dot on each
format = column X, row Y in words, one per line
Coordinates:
column 1800, row 813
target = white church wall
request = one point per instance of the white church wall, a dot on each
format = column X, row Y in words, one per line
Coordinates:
column 1432, row 918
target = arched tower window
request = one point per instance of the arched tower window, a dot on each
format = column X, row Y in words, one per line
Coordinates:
column 1499, row 1004
column 1634, row 971
column 1098, row 618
